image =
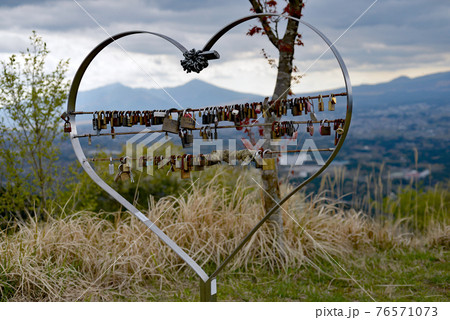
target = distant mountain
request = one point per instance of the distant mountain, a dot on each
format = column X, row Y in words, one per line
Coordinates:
column 429, row 89
column 195, row 93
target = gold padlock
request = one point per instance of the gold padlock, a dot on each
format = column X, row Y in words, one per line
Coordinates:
column 187, row 120
column 321, row 106
column 102, row 120
column 170, row 125
column 331, row 103
column 268, row 163
column 185, row 173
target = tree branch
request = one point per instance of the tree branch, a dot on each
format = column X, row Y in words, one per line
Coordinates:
column 265, row 24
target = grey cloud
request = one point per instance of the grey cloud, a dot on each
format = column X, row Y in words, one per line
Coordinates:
column 393, row 34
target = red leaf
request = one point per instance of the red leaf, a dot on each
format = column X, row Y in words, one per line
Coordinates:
column 271, row 3
column 254, row 30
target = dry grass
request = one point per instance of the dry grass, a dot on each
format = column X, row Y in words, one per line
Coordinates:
column 87, row 257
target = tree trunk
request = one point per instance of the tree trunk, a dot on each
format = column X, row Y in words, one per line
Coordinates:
column 285, row 46
column 282, row 87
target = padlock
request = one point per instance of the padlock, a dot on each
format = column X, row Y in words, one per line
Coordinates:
column 147, row 118
column 94, row 121
column 120, row 119
column 143, row 162
column 216, row 116
column 67, row 125
column 258, row 108
column 136, row 117
column 169, row 124
column 111, row 166
column 331, row 103
column 234, row 114
column 284, row 107
column 130, row 118
column 115, row 119
column 102, row 120
column 283, row 129
column 211, row 115
column 224, row 114
column 199, row 163
column 187, row 120
column 325, row 128
column 294, row 107
column 186, row 138
column 278, row 108
column 269, row 163
column 276, row 130
column 205, row 117
column 215, row 132
column 208, row 133
column 204, row 134
column 108, row 117
column 185, row 173
column 173, row 167
column 321, row 105
column 337, row 137
column 124, row 173
column 290, row 129
column 158, row 117
column 258, row 160
column 241, row 114
column 309, row 105
column 124, row 118
column 253, row 111
column 140, row 117
column 310, row 127
column 226, row 111
column 220, row 114
column 178, row 163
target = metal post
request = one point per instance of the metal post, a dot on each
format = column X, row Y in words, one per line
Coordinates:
column 208, row 290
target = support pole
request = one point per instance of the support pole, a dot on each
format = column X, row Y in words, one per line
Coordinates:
column 208, row 290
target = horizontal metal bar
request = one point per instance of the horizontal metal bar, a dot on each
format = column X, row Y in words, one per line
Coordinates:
column 201, row 128
column 286, row 151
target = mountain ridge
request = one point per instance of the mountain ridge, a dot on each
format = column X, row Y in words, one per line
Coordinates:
column 432, row 88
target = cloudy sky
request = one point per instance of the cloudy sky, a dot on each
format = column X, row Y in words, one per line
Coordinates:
column 392, row 38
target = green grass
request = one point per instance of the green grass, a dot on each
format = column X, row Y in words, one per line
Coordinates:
column 399, row 275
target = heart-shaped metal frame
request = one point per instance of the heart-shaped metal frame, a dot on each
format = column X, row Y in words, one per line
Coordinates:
column 207, row 283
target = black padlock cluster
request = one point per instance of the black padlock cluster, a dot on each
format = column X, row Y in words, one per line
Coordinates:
column 284, row 128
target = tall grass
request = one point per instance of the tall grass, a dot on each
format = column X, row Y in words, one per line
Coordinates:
column 83, row 256
column 416, row 209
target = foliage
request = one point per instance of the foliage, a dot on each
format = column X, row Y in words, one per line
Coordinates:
column 416, row 208
column 270, row 24
column 31, row 100
column 283, row 43
column 421, row 208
